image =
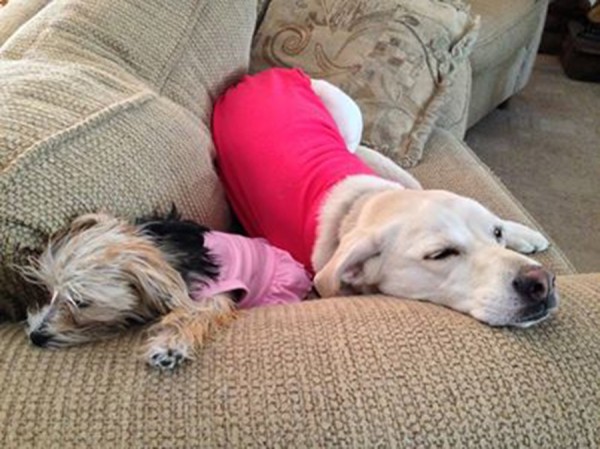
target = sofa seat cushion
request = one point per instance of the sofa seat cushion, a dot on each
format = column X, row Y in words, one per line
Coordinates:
column 449, row 164
column 111, row 113
column 343, row 372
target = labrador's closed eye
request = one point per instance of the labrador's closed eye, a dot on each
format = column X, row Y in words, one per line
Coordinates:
column 442, row 254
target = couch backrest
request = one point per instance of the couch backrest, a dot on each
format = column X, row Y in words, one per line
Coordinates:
column 405, row 62
column 106, row 105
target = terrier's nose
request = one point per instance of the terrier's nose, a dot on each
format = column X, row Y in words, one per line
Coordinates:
column 39, row 338
column 534, row 284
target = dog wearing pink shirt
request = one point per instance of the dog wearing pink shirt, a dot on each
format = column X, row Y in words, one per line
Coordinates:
column 289, row 156
column 104, row 273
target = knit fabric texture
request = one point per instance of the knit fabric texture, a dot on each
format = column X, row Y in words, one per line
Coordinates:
column 106, row 106
column 15, row 13
column 343, row 372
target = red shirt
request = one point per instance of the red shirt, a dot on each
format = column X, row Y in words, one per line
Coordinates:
column 279, row 152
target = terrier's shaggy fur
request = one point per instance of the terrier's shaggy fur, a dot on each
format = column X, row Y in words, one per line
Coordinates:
column 105, row 274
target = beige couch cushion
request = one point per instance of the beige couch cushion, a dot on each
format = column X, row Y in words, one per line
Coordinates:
column 394, row 58
column 111, row 113
column 345, row 372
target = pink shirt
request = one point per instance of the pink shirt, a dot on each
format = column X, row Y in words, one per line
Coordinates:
column 279, row 152
column 264, row 275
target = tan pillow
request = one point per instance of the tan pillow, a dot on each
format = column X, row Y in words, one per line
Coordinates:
column 395, row 58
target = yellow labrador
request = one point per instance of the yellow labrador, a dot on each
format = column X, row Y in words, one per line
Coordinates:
column 377, row 235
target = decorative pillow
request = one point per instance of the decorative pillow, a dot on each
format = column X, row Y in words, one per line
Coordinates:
column 395, row 58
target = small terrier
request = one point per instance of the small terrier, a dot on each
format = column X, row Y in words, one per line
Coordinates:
column 105, row 274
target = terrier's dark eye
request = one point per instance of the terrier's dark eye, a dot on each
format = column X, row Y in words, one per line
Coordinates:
column 498, row 233
column 443, row 254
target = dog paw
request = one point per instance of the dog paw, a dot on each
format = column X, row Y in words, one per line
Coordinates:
column 165, row 358
column 534, row 243
column 525, row 240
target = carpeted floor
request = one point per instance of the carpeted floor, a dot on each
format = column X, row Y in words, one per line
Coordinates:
column 546, row 148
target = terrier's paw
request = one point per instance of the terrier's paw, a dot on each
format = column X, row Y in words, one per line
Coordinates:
column 166, row 358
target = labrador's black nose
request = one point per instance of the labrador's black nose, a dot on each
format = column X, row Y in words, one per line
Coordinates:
column 535, row 285
column 39, row 338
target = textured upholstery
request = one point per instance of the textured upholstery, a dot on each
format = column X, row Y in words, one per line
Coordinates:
column 106, row 105
column 503, row 56
column 396, row 59
column 502, row 60
column 345, row 372
column 15, row 13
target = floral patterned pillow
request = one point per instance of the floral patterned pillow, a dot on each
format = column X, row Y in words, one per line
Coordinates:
column 396, row 58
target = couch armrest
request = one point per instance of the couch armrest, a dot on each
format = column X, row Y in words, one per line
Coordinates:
column 504, row 54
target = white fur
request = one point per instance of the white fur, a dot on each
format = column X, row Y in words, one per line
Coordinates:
column 380, row 236
column 343, row 109
column 396, row 230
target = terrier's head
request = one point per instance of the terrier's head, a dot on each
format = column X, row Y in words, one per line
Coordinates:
column 102, row 274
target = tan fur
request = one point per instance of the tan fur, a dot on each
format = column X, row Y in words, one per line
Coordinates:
column 102, row 274
column 183, row 329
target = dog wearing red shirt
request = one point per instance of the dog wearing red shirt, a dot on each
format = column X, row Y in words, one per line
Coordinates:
column 289, row 156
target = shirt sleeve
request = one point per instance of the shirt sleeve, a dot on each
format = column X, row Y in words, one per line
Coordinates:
column 200, row 291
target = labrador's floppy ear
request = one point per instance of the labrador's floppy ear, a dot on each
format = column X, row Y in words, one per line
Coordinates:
column 347, row 263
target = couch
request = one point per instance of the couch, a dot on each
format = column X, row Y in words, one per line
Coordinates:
column 107, row 105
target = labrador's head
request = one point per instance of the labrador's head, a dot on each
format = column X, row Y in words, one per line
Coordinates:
column 437, row 246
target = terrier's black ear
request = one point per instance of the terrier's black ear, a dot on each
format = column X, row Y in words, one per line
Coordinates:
column 183, row 241
column 156, row 215
column 174, row 213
